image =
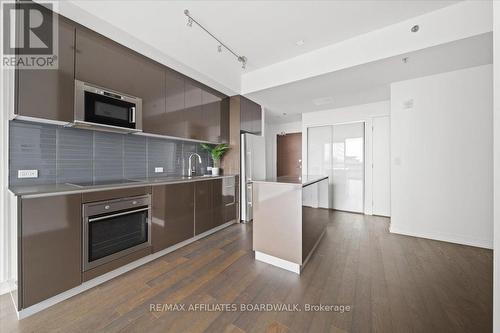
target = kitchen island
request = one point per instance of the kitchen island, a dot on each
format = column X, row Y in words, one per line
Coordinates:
column 290, row 218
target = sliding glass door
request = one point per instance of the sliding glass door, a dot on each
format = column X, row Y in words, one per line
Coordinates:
column 319, row 155
column 338, row 151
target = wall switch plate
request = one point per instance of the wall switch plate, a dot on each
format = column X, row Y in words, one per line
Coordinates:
column 27, row 173
column 408, row 104
column 158, row 169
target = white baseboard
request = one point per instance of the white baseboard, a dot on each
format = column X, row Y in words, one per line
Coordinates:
column 281, row 263
column 482, row 243
column 110, row 275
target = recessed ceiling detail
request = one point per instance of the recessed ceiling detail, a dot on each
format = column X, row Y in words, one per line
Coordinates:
column 370, row 82
column 323, row 101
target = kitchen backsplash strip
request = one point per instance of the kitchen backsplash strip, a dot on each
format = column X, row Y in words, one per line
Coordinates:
column 65, row 155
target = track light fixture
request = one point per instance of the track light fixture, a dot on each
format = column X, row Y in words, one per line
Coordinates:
column 221, row 45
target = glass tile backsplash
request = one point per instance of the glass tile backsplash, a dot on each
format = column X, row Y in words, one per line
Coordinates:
column 69, row 155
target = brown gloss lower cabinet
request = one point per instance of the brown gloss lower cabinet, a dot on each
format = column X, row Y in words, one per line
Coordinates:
column 173, row 215
column 230, row 201
column 50, row 246
column 203, row 207
column 209, row 205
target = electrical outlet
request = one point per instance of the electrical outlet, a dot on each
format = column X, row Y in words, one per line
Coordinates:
column 158, row 169
column 27, row 173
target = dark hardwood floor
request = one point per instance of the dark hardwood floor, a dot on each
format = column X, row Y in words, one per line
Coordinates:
column 392, row 284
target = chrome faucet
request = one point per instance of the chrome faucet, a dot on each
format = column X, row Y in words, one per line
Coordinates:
column 192, row 169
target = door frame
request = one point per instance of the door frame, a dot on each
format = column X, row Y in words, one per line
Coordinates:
column 372, row 161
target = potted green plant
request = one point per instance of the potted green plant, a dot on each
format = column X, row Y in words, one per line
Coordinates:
column 216, row 152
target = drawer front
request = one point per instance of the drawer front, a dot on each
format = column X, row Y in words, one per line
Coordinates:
column 115, row 194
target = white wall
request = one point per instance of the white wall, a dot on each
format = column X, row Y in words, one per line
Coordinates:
column 496, row 175
column 442, row 161
column 272, row 130
column 364, row 112
column 6, row 244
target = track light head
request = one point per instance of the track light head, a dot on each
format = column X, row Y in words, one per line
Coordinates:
column 243, row 61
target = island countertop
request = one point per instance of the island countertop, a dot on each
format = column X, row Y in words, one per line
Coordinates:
column 303, row 180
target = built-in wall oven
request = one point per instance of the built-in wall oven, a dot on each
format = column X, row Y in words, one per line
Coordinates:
column 115, row 228
column 105, row 109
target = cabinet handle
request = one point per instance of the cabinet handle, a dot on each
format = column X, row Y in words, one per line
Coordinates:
column 132, row 114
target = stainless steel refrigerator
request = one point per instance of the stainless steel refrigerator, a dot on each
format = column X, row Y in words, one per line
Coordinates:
column 253, row 166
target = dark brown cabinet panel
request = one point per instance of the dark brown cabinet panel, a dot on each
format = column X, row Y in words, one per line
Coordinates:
column 193, row 113
column 230, row 199
column 212, row 113
column 172, row 122
column 203, row 207
column 50, row 246
column 218, row 202
column 173, row 215
column 103, row 62
column 251, row 116
column 49, row 93
column 210, row 204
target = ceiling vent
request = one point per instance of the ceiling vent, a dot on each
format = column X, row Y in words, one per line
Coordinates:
column 323, row 101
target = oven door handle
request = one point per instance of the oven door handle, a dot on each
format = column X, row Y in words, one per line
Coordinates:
column 117, row 214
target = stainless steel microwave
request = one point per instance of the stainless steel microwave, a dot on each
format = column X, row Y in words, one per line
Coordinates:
column 105, row 109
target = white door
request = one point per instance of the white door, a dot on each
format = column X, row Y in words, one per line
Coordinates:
column 348, row 167
column 381, row 166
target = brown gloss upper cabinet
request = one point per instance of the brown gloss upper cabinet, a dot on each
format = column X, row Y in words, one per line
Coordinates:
column 49, row 93
column 172, row 215
column 195, row 120
column 103, row 62
column 50, row 246
column 251, row 116
column 170, row 121
column 192, row 112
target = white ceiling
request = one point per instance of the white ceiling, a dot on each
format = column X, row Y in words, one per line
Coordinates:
column 371, row 82
column 264, row 31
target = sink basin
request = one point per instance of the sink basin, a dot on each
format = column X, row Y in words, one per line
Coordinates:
column 202, row 176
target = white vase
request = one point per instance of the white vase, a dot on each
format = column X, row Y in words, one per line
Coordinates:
column 215, row 171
